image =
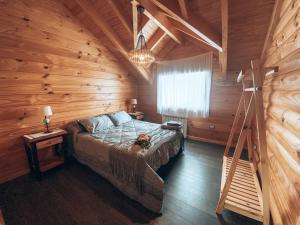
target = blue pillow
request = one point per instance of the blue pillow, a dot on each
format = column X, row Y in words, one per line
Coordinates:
column 119, row 118
column 104, row 122
column 96, row 123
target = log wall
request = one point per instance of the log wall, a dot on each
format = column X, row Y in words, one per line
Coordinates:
column 282, row 112
column 48, row 58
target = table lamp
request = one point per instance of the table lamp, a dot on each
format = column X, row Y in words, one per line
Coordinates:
column 48, row 113
column 133, row 102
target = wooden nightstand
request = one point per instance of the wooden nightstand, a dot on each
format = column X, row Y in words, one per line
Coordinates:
column 1, row 219
column 44, row 151
column 137, row 115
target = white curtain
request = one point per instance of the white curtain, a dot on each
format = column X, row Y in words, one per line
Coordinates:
column 183, row 86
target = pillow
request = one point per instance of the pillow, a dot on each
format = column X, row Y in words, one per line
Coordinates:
column 89, row 124
column 104, row 123
column 96, row 124
column 119, row 118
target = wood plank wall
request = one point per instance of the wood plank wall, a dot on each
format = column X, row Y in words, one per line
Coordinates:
column 48, row 58
column 224, row 100
column 282, row 112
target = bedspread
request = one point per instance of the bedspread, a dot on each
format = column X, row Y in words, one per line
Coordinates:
column 95, row 150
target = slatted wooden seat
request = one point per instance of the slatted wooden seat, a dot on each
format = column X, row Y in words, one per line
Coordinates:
column 244, row 196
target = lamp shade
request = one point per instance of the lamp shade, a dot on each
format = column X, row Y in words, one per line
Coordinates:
column 48, row 111
column 133, row 101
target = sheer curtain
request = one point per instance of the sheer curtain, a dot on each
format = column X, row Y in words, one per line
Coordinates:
column 183, row 86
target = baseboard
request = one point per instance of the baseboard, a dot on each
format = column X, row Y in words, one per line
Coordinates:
column 194, row 138
column 223, row 143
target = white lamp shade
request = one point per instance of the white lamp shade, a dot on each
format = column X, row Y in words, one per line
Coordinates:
column 48, row 111
column 133, row 101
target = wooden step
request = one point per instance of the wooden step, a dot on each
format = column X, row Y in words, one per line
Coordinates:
column 244, row 196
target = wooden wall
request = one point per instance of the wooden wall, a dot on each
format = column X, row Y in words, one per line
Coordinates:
column 282, row 111
column 48, row 58
column 225, row 96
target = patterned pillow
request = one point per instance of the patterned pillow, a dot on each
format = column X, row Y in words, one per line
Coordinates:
column 119, row 118
column 96, row 124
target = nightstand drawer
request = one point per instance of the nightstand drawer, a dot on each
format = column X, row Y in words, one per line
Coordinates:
column 49, row 142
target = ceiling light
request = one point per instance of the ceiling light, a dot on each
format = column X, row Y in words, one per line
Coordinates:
column 141, row 55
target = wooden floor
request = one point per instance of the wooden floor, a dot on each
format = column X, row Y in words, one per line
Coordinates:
column 73, row 195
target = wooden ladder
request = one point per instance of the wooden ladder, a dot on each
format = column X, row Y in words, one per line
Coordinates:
column 240, row 188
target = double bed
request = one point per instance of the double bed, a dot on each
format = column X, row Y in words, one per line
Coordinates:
column 113, row 154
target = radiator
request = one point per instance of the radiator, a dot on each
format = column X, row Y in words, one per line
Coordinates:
column 166, row 118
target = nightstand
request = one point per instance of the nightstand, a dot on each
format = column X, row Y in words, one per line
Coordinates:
column 45, row 151
column 1, row 219
column 137, row 115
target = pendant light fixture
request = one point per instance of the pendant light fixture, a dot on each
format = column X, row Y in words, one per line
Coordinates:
column 141, row 55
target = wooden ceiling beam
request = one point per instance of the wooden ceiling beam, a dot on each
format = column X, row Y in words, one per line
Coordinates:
column 183, row 9
column 134, row 4
column 191, row 34
column 155, row 39
column 195, row 24
column 153, row 13
column 96, row 17
column 223, row 55
column 118, row 12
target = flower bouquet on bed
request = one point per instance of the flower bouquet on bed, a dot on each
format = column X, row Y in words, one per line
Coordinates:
column 143, row 140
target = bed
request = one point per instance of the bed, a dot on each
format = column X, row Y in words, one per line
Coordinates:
column 112, row 153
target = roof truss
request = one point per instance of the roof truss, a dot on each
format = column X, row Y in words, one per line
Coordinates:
column 96, row 17
column 134, row 21
column 223, row 54
column 153, row 13
column 155, row 39
column 173, row 19
column 183, row 9
column 194, row 24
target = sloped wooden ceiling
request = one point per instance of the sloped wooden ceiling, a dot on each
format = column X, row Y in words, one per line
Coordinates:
column 247, row 27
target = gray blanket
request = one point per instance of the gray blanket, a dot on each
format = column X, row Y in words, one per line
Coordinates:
column 129, row 161
column 112, row 154
column 127, row 164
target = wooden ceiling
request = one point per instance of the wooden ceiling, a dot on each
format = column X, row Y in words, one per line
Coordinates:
column 171, row 24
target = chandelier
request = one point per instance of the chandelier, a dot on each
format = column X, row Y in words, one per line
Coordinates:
column 141, row 55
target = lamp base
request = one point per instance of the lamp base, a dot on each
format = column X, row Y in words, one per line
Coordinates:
column 48, row 131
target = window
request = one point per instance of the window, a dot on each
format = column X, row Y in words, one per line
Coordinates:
column 183, row 86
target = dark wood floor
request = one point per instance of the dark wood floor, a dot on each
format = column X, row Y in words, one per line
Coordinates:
column 73, row 194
